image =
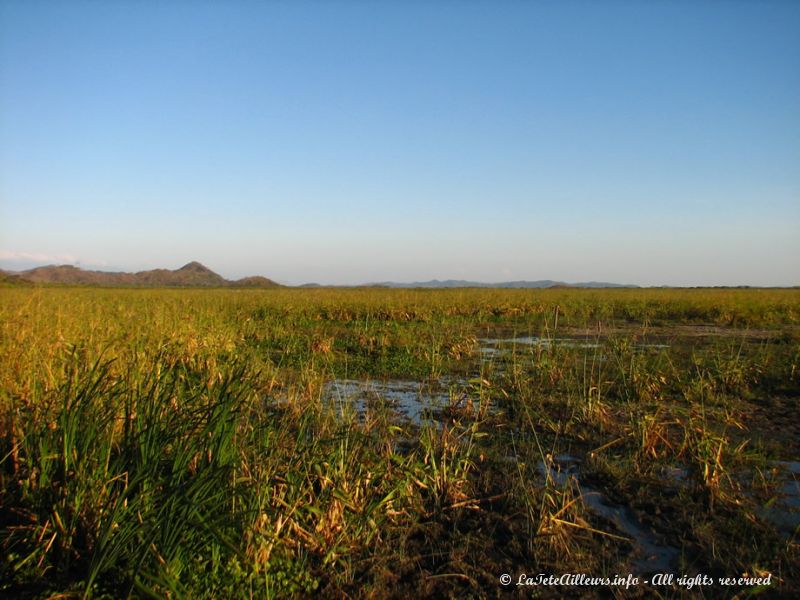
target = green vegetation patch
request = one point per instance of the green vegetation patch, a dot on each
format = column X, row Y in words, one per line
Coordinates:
column 185, row 443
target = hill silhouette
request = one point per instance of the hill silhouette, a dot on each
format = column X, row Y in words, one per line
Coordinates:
column 193, row 274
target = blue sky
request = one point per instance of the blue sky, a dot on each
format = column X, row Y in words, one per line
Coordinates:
column 344, row 142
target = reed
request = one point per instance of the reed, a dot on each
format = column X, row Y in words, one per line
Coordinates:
column 177, row 443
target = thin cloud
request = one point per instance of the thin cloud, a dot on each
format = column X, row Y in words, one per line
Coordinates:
column 39, row 257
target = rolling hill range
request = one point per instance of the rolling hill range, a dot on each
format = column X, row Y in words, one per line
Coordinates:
column 196, row 275
column 192, row 274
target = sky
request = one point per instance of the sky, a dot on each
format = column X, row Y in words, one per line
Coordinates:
column 650, row 143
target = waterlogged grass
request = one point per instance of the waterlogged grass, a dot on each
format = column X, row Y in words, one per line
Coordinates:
column 177, row 443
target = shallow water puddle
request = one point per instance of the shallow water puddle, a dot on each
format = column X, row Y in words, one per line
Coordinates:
column 410, row 399
column 530, row 340
column 784, row 512
column 652, row 556
column 496, row 347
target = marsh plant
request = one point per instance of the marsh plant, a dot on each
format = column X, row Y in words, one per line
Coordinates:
column 177, row 443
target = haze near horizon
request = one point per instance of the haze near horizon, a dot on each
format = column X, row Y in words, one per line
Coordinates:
column 343, row 143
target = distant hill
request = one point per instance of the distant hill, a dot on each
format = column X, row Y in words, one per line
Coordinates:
column 459, row 283
column 196, row 275
column 255, row 281
column 193, row 274
column 11, row 280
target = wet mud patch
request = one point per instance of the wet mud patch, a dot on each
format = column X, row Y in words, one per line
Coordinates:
column 772, row 420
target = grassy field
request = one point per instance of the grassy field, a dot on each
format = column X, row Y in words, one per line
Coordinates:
column 397, row 443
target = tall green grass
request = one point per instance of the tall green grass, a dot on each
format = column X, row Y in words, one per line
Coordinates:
column 174, row 443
